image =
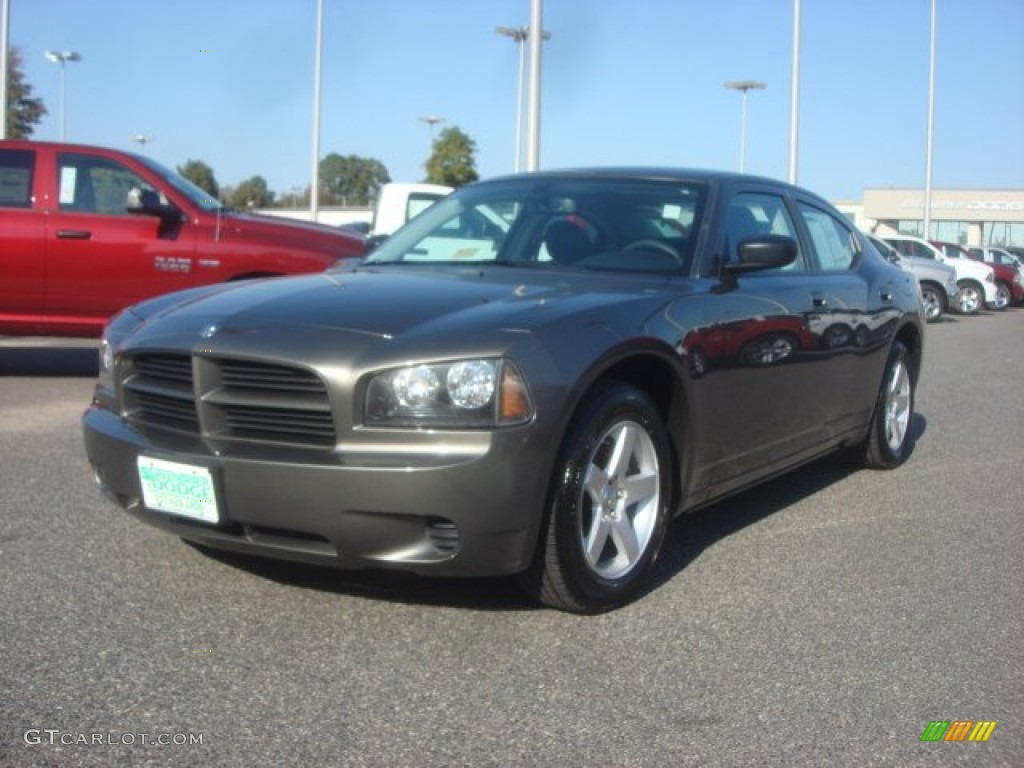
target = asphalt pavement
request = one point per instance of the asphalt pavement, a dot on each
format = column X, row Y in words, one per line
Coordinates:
column 824, row 619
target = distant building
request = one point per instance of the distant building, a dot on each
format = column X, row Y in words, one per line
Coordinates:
column 966, row 216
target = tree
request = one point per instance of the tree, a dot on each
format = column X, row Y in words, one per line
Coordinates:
column 351, row 180
column 251, row 193
column 200, row 174
column 452, row 161
column 23, row 111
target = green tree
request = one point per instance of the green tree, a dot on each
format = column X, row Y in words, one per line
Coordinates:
column 200, row 174
column 452, row 162
column 23, row 111
column 351, row 180
column 251, row 193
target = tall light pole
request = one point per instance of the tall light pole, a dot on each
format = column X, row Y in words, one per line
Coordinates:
column 519, row 36
column 744, row 86
column 931, row 131
column 314, row 187
column 794, row 97
column 62, row 58
column 5, row 18
column 431, row 121
column 533, row 108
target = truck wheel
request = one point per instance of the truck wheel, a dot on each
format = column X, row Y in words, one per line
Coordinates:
column 972, row 297
column 934, row 302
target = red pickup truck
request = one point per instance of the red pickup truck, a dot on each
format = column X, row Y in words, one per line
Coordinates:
column 86, row 231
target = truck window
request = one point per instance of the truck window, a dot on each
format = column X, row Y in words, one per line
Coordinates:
column 16, row 171
column 91, row 184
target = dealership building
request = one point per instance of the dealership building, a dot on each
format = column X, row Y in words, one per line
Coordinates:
column 990, row 217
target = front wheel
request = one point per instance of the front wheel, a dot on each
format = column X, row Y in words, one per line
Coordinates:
column 972, row 297
column 609, row 505
column 890, row 438
column 934, row 302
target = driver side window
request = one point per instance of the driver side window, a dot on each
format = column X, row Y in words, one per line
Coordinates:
column 754, row 214
column 90, row 184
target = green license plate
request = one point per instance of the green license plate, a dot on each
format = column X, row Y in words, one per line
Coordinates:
column 181, row 489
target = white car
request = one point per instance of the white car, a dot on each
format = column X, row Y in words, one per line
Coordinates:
column 939, row 289
column 976, row 280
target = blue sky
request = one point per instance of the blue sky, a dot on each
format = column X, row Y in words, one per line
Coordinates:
column 230, row 82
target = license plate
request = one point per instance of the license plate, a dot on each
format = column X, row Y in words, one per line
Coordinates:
column 181, row 489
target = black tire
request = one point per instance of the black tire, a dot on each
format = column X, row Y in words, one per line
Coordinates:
column 620, row 503
column 934, row 301
column 891, row 437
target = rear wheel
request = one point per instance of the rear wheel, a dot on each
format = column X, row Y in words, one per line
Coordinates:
column 609, row 505
column 890, row 439
column 934, row 301
column 972, row 297
column 1003, row 296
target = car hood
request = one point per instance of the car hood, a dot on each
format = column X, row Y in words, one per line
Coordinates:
column 391, row 302
column 281, row 230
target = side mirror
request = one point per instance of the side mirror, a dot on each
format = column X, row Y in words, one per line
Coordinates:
column 373, row 241
column 147, row 202
column 762, row 252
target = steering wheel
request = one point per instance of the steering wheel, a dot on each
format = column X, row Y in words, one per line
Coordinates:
column 654, row 245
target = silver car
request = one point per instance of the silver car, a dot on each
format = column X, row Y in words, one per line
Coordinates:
column 939, row 290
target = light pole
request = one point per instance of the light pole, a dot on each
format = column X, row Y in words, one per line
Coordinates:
column 431, row 120
column 519, row 36
column 5, row 19
column 314, row 186
column 533, row 107
column 62, row 57
column 794, row 97
column 744, row 86
column 931, row 131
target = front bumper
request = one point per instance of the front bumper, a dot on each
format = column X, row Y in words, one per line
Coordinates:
column 470, row 505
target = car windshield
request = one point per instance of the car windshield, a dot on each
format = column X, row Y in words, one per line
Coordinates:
column 198, row 196
column 593, row 223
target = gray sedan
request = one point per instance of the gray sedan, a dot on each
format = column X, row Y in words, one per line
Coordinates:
column 532, row 377
column 939, row 289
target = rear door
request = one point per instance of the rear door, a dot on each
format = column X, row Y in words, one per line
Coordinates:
column 101, row 257
column 22, row 240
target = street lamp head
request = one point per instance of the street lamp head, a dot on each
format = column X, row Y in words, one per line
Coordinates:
column 431, row 120
column 746, row 85
column 518, row 34
column 59, row 57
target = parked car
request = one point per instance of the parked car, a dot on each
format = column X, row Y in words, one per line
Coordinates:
column 524, row 399
column 1017, row 251
column 1009, row 289
column 87, row 231
column 977, row 282
column 939, row 290
column 992, row 255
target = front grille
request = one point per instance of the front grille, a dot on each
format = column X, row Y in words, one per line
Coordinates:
column 158, row 391
column 228, row 399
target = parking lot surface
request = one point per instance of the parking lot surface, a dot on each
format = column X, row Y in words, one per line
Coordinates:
column 826, row 618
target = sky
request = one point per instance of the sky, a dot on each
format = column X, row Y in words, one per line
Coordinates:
column 624, row 82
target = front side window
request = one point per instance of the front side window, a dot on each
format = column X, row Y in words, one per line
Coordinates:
column 834, row 243
column 92, row 184
column 754, row 214
column 593, row 224
column 17, row 167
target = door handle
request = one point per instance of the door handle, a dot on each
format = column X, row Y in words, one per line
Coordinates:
column 819, row 300
column 885, row 295
column 73, row 234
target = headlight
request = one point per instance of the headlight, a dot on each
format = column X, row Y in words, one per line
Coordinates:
column 117, row 329
column 456, row 395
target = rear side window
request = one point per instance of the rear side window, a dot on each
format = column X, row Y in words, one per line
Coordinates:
column 17, row 167
column 833, row 241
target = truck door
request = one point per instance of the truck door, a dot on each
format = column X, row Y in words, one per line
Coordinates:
column 22, row 239
column 100, row 257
